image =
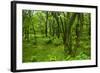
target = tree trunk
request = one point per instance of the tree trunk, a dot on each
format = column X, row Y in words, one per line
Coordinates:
column 46, row 23
column 67, row 35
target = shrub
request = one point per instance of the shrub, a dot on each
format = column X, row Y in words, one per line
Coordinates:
column 57, row 41
column 33, row 59
column 48, row 40
column 81, row 56
column 52, row 58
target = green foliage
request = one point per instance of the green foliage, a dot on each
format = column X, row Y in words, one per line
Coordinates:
column 52, row 58
column 55, row 36
column 81, row 56
column 57, row 42
column 48, row 40
column 33, row 59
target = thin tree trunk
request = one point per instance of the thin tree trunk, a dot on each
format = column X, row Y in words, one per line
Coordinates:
column 46, row 27
column 78, row 31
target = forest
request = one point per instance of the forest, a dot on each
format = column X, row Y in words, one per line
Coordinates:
column 55, row 36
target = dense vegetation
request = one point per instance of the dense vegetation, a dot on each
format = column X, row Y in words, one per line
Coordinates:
column 56, row 36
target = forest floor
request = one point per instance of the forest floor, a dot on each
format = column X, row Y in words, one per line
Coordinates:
column 44, row 49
